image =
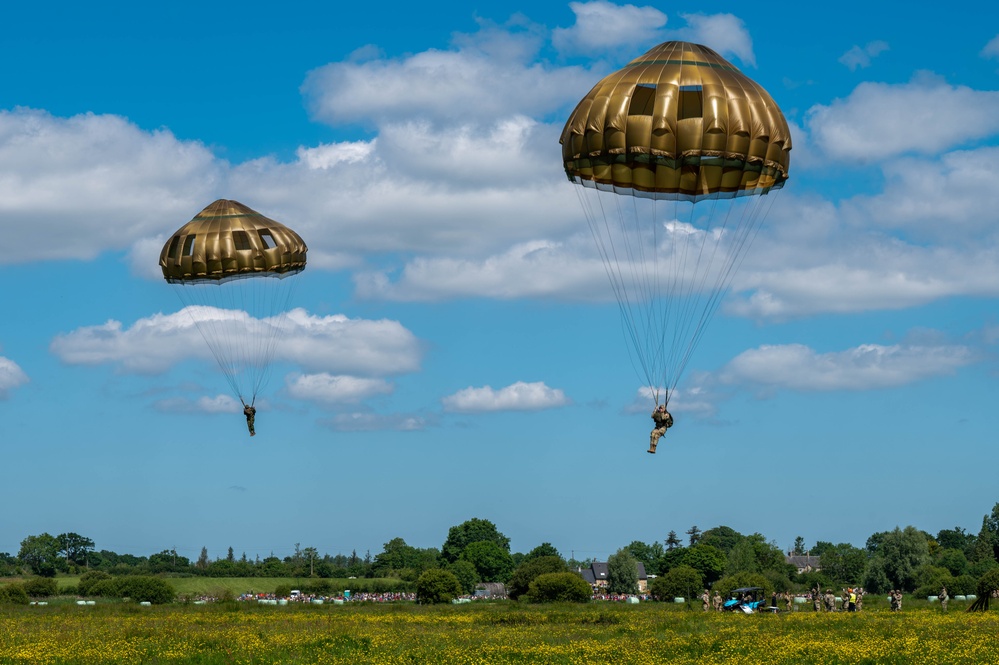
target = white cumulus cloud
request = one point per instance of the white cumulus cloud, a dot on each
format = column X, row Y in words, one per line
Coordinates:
column 203, row 404
column 71, row 188
column 881, row 120
column 865, row 367
column 519, row 396
column 11, row 376
column 335, row 389
column 725, row 33
column 330, row 343
column 604, row 26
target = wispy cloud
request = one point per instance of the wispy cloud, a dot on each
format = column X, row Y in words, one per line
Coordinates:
column 519, row 396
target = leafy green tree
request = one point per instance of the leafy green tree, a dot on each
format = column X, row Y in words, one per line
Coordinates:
column 474, row 530
column 309, row 556
column 437, row 586
column 708, row 560
column 75, row 547
column 397, row 557
column 544, row 549
column 953, row 560
column 670, row 559
column 955, row 539
column 991, row 523
column 622, row 572
column 680, row 582
column 673, row 541
column 41, row 554
column 693, row 535
column 741, row 558
column 799, row 546
column 769, row 557
column 844, row 563
column 168, row 561
column 493, row 563
column 649, row 555
column 897, row 557
column 466, row 575
column 202, row 562
column 525, row 573
column 559, row 588
column 722, row 537
column 983, row 550
column 8, row 564
column 273, row 567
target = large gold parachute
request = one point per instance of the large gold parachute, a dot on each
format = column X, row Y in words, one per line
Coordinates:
column 230, row 265
column 691, row 143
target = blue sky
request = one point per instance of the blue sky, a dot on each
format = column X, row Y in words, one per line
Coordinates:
column 457, row 352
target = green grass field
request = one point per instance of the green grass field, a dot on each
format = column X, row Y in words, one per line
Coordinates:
column 214, row 586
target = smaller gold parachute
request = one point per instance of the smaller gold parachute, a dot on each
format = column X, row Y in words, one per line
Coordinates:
column 229, row 267
column 229, row 240
column 680, row 123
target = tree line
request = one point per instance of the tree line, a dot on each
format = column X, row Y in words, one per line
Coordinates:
column 475, row 551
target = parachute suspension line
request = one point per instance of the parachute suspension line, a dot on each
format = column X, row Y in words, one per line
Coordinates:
column 193, row 303
column 603, row 239
column 754, row 211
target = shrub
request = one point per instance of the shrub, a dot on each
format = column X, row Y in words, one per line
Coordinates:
column 13, row 594
column 41, row 587
column 526, row 573
column 682, row 582
column 282, row 590
column 437, row 586
column 962, row 585
column 988, row 583
column 559, row 587
column 137, row 587
column 149, row 589
column 466, row 573
column 88, row 580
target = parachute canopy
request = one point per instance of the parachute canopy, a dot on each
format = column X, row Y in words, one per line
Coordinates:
column 229, row 240
column 679, row 122
column 229, row 267
column 690, row 144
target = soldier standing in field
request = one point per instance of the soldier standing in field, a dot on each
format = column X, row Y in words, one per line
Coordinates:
column 717, row 602
column 705, row 601
column 817, row 599
column 943, row 598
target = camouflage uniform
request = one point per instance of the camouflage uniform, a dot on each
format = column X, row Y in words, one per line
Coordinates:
column 943, row 597
column 860, row 598
column 705, row 600
column 250, row 414
column 717, row 602
column 789, row 600
column 663, row 421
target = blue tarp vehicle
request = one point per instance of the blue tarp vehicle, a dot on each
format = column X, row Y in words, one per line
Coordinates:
column 746, row 599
